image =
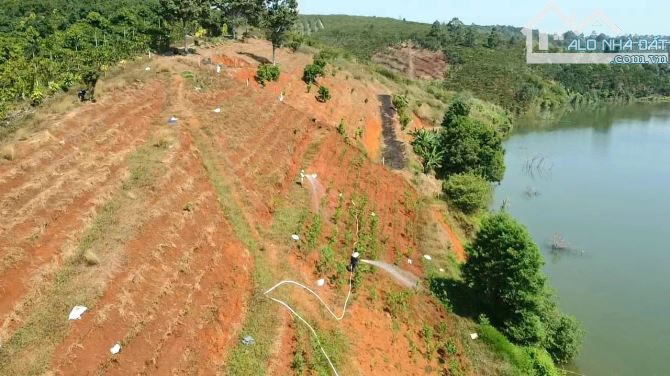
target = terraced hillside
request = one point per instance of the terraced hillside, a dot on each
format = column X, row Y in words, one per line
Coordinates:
column 170, row 234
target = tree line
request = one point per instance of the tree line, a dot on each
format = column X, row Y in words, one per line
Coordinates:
column 49, row 47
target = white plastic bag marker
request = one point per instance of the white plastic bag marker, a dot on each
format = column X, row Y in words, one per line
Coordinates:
column 321, row 282
column 76, row 312
column 115, row 349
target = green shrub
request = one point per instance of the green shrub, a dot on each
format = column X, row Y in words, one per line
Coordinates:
column 324, row 94
column 468, row 192
column 542, row 363
column 502, row 346
column 312, row 72
column 400, row 102
column 267, row 72
column 342, row 128
column 397, row 304
column 471, row 146
column 405, row 119
column 563, row 333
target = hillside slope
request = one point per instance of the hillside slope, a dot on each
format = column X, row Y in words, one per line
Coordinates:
column 170, row 234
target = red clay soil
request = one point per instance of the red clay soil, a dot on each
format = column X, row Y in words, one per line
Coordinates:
column 345, row 169
column 231, row 62
column 284, row 349
column 413, row 61
column 178, row 302
column 372, row 138
column 174, row 292
column 354, row 101
column 455, row 242
column 49, row 192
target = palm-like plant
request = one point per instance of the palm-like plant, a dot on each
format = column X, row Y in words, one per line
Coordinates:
column 426, row 146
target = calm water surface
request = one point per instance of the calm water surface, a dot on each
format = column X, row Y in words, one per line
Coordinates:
column 604, row 186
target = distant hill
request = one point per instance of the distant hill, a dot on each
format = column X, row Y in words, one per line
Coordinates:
column 489, row 62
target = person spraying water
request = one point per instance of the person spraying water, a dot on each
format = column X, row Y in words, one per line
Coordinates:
column 355, row 258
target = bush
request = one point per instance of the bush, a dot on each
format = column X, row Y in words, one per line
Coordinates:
column 324, row 94
column 267, row 72
column 405, row 119
column 468, row 192
column 563, row 333
column 527, row 361
column 502, row 346
column 311, row 72
column 401, row 105
column 400, row 102
column 542, row 363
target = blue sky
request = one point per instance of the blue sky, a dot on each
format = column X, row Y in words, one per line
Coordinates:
column 631, row 17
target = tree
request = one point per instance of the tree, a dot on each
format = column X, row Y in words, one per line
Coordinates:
column 504, row 270
column 494, row 39
column 468, row 192
column 90, row 77
column 458, row 107
column 469, row 38
column 279, row 18
column 239, row 12
column 185, row 12
column 455, row 28
column 471, row 146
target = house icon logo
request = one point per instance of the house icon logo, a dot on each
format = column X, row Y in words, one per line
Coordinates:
column 597, row 51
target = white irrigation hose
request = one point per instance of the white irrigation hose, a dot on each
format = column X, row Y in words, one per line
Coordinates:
column 338, row 318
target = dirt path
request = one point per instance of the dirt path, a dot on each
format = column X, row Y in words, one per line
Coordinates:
column 394, row 149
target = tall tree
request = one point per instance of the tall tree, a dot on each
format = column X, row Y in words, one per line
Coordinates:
column 279, row 19
column 504, row 270
column 185, row 12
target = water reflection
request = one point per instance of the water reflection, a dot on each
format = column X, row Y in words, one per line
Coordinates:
column 599, row 118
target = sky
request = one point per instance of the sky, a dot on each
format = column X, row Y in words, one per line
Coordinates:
column 630, row 17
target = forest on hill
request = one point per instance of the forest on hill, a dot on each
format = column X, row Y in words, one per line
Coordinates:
column 489, row 62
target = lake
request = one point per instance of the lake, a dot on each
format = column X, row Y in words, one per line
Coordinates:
column 597, row 182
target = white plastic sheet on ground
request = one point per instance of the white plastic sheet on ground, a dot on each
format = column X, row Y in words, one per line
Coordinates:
column 474, row 335
column 217, row 110
column 427, row 257
column 295, row 237
column 115, row 349
column 76, row 312
column 409, row 261
column 321, row 282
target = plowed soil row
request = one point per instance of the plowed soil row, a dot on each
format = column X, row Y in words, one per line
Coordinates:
column 170, row 279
